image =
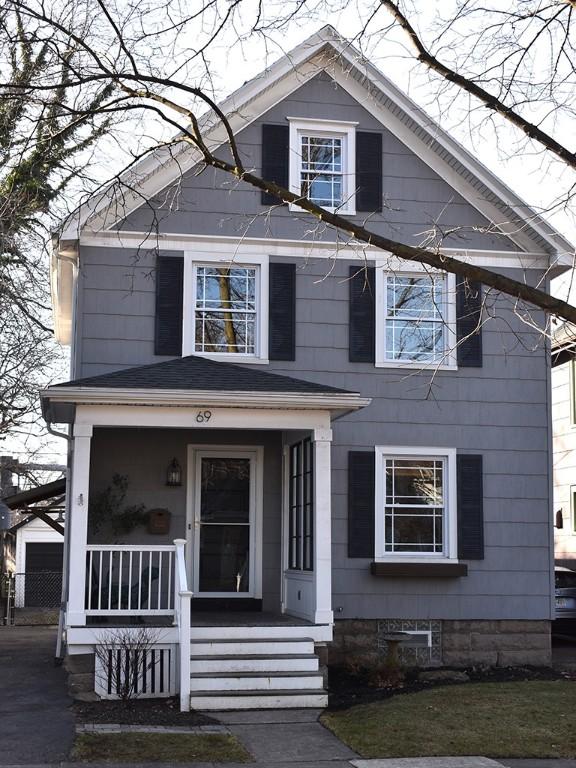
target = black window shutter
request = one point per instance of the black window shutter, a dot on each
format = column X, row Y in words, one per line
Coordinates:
column 468, row 324
column 362, row 331
column 470, row 506
column 282, row 312
column 361, row 512
column 368, row 171
column 169, row 292
column 275, row 158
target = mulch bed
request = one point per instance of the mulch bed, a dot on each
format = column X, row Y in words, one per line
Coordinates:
column 137, row 712
column 347, row 689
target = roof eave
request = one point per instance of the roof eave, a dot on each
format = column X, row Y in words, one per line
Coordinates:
column 179, row 398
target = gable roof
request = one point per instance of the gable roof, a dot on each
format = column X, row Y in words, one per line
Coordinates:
column 327, row 51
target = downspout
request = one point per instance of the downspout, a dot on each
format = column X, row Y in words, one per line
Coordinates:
column 59, row 652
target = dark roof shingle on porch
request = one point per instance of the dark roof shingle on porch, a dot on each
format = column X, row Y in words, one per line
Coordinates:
column 198, row 373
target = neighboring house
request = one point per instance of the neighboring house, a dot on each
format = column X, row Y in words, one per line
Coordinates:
column 38, row 550
column 341, row 444
column 564, row 441
column 39, row 561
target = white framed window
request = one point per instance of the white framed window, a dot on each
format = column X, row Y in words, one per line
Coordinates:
column 225, row 307
column 415, row 319
column 415, row 504
column 323, row 162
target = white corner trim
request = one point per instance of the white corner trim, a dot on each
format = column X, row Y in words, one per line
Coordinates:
column 450, row 553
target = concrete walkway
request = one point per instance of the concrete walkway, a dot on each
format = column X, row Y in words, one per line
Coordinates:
column 36, row 724
column 283, row 738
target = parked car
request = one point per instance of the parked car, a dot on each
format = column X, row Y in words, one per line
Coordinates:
column 565, row 581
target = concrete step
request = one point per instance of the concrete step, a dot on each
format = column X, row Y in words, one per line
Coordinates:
column 261, row 647
column 256, row 681
column 272, row 699
column 253, row 663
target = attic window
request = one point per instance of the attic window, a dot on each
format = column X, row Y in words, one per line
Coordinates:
column 323, row 161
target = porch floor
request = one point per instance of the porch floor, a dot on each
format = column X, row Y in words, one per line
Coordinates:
column 245, row 619
column 206, row 619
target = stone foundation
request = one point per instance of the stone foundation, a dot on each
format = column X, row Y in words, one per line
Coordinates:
column 505, row 643
column 360, row 642
column 80, row 669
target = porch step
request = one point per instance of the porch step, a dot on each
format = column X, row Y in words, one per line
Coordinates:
column 257, row 681
column 255, row 673
column 317, row 632
column 296, row 699
column 261, row 646
column 307, row 662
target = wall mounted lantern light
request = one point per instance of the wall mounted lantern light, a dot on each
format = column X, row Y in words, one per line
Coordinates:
column 174, row 474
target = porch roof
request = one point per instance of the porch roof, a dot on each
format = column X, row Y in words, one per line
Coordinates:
column 190, row 380
column 199, row 373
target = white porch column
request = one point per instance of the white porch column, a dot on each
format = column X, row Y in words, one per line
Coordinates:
column 79, row 485
column 323, row 527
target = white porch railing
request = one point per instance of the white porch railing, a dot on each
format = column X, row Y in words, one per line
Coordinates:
column 182, row 597
column 126, row 580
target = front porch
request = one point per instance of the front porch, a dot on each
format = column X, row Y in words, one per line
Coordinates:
column 235, row 528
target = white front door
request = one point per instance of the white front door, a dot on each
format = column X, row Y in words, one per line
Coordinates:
column 225, row 522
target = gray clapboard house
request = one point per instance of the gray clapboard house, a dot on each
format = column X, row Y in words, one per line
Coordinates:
column 285, row 446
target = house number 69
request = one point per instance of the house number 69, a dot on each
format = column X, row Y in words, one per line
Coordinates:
column 202, row 416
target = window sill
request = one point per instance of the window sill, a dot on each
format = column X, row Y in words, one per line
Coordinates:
column 340, row 211
column 398, row 365
column 231, row 357
column 417, row 570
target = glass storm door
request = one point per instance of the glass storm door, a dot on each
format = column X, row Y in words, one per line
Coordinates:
column 224, row 523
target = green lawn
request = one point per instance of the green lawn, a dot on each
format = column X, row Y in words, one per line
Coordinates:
column 158, row 748
column 517, row 719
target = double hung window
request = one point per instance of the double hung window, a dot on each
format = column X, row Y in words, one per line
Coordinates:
column 225, row 309
column 415, row 503
column 322, row 162
column 416, row 319
column 415, row 324
column 321, row 169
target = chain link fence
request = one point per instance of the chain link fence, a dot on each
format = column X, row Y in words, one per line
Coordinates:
column 32, row 598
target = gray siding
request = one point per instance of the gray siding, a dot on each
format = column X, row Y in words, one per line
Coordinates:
column 499, row 410
column 416, row 199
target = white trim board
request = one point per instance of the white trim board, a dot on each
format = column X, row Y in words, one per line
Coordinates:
column 229, row 249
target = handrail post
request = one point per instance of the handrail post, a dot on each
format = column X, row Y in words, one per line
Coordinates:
column 182, row 597
column 184, row 635
column 179, row 545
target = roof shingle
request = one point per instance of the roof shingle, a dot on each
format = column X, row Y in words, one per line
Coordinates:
column 198, row 373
